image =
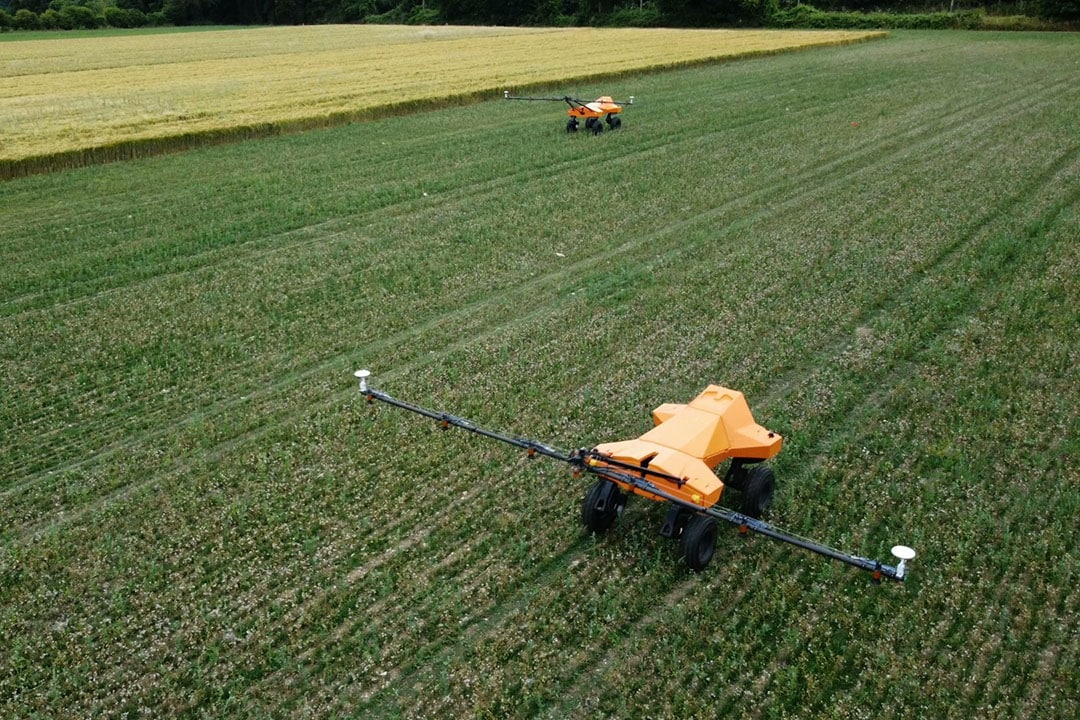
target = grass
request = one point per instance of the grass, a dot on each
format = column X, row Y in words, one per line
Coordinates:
column 201, row 518
column 74, row 101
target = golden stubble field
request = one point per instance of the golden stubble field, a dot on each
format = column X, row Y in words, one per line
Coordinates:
column 100, row 98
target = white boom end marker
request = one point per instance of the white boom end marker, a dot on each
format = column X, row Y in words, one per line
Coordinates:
column 902, row 553
column 363, row 375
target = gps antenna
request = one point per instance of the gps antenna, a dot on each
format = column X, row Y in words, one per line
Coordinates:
column 363, row 375
column 902, row 553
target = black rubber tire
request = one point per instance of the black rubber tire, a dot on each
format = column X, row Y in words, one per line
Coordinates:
column 571, row 125
column 597, row 127
column 614, row 121
column 597, row 520
column 760, row 488
column 698, row 543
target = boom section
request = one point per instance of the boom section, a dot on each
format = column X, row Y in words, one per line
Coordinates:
column 446, row 420
column 749, row 524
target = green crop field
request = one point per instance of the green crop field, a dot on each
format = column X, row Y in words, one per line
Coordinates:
column 877, row 243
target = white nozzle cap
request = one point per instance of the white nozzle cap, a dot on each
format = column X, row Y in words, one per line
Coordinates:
column 903, row 552
column 506, row 94
column 363, row 375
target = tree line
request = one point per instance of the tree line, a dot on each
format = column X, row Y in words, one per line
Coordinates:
column 69, row 14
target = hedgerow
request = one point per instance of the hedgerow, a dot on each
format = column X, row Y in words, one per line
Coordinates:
column 808, row 16
column 1052, row 15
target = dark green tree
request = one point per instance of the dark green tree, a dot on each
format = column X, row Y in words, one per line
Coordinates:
column 25, row 20
column 1064, row 10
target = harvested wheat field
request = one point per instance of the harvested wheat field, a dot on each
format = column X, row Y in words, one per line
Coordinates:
column 73, row 101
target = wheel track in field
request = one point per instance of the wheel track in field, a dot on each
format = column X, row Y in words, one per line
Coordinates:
column 297, row 617
column 604, row 660
column 907, row 365
column 948, row 627
column 930, row 268
column 421, row 329
column 481, row 623
column 317, row 604
column 318, row 239
column 935, row 640
column 736, row 697
column 493, row 623
column 420, row 599
column 418, row 602
column 180, row 467
column 426, row 142
column 491, row 617
column 475, row 307
column 248, row 249
column 241, row 252
column 113, row 205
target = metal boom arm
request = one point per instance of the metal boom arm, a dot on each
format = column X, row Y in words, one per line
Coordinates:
column 746, row 523
column 598, row 464
column 532, row 447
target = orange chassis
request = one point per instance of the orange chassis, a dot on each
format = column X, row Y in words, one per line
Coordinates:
column 688, row 442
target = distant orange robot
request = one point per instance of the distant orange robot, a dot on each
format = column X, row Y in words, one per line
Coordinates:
column 589, row 111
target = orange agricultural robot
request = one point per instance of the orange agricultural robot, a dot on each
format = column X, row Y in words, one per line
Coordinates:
column 590, row 111
column 675, row 462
